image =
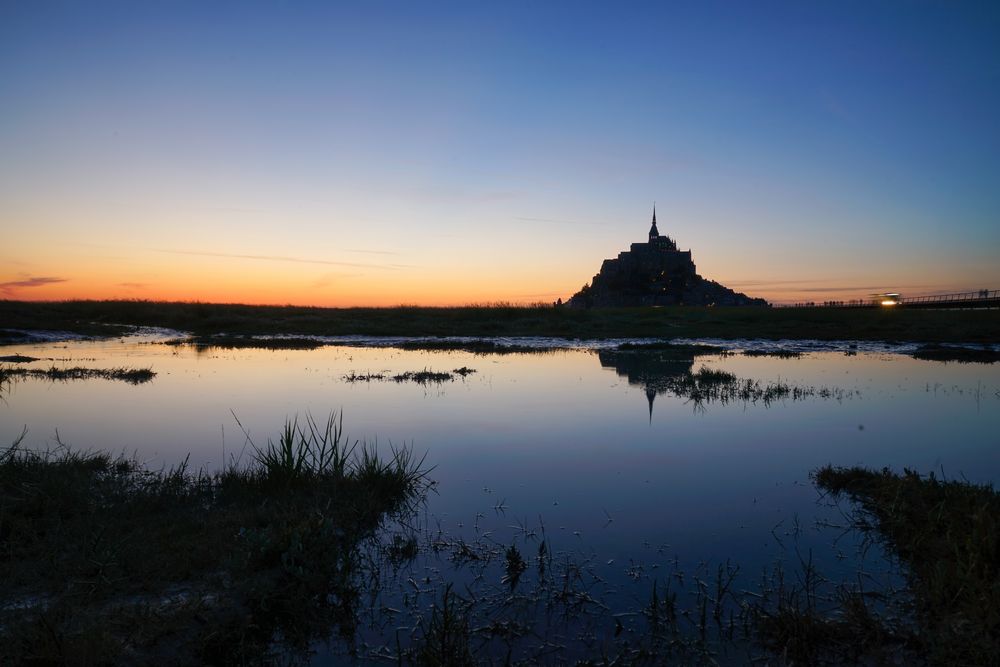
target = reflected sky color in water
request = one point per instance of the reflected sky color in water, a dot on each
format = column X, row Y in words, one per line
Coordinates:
column 564, row 436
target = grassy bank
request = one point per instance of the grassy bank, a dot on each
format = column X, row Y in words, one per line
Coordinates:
column 946, row 536
column 91, row 317
column 103, row 561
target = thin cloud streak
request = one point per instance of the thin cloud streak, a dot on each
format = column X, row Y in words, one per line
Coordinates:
column 370, row 252
column 41, row 281
column 564, row 222
column 849, row 288
column 761, row 283
column 279, row 258
column 826, row 288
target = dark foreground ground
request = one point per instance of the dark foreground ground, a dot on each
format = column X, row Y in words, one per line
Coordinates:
column 888, row 324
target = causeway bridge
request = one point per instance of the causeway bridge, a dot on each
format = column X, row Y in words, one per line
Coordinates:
column 961, row 300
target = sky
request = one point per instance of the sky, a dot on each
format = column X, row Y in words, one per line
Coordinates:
column 426, row 153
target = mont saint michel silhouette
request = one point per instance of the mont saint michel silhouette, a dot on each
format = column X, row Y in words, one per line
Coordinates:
column 655, row 273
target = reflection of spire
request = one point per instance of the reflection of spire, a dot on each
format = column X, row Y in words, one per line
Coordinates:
column 652, row 371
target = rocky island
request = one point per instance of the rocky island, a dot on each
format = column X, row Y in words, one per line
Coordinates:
column 655, row 273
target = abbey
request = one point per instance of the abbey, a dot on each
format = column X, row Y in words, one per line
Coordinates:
column 655, row 273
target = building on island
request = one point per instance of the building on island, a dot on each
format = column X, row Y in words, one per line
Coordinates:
column 655, row 273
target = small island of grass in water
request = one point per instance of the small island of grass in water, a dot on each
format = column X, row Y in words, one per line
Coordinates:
column 424, row 377
column 65, row 374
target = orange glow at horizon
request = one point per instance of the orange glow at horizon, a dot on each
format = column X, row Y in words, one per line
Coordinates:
column 265, row 288
column 149, row 264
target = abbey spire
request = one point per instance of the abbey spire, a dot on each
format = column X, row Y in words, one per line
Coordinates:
column 653, row 231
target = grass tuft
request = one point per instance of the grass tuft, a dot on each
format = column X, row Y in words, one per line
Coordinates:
column 55, row 373
column 778, row 354
column 424, row 377
column 17, row 359
column 225, row 342
column 301, row 455
column 104, row 561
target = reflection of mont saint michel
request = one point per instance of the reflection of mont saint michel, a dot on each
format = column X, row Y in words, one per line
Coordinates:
column 653, row 370
column 655, row 273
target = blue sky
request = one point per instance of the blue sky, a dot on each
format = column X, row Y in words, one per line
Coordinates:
column 386, row 153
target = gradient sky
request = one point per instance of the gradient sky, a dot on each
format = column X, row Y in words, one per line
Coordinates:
column 383, row 153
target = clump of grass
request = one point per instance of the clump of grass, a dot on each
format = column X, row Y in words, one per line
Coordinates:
column 712, row 377
column 446, row 638
column 248, row 342
column 514, row 566
column 365, row 377
column 708, row 385
column 779, row 354
column 402, row 549
column 105, row 561
column 947, row 533
column 64, row 374
column 17, row 359
column 305, row 453
column 425, row 376
column 968, row 355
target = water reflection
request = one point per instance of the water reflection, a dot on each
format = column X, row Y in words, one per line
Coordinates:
column 653, row 371
column 669, row 371
column 546, row 437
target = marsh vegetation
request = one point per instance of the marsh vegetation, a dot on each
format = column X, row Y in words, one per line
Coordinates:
column 17, row 359
column 66, row 374
column 946, row 536
column 104, row 561
column 669, row 369
column 424, row 377
column 776, row 353
column 108, row 317
column 225, row 342
column 968, row 355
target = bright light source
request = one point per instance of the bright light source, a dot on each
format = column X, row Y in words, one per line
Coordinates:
column 889, row 302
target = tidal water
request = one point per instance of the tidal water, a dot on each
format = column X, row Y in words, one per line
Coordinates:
column 594, row 446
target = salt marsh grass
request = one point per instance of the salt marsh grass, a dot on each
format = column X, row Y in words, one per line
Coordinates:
column 66, row 374
column 106, row 318
column 105, row 561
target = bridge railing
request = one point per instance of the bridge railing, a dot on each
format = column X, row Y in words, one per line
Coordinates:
column 980, row 295
column 972, row 298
